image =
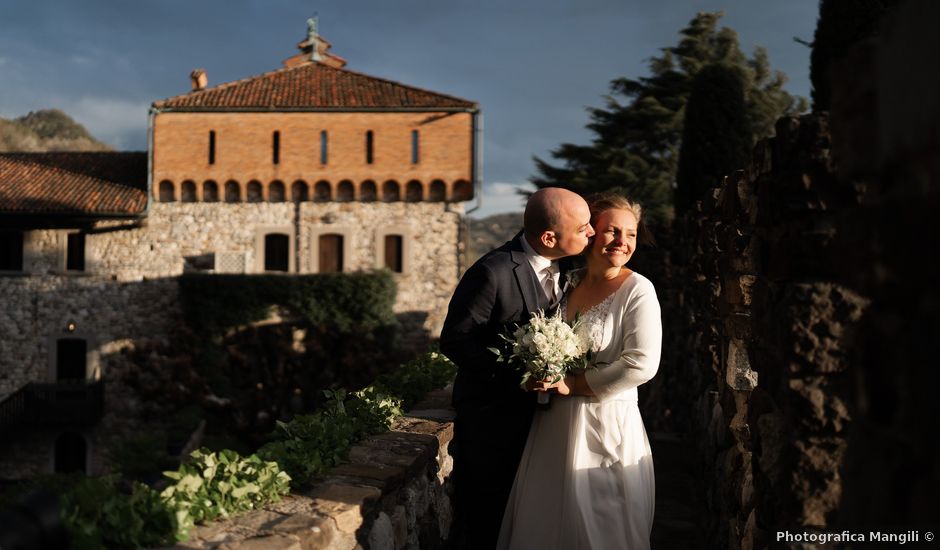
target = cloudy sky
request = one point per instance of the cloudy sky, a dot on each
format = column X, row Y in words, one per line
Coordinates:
column 533, row 65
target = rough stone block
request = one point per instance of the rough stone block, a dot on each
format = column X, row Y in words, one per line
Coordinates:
column 382, row 535
column 738, row 373
column 346, row 504
column 270, row 542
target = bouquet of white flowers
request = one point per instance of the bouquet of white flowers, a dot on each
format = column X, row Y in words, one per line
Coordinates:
column 546, row 348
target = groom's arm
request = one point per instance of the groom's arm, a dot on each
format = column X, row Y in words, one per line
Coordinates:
column 466, row 334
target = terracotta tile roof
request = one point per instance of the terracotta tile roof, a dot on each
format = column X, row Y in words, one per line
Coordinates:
column 101, row 183
column 313, row 86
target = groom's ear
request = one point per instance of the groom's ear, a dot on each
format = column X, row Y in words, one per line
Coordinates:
column 548, row 239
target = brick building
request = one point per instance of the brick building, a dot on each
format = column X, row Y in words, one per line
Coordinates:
column 308, row 168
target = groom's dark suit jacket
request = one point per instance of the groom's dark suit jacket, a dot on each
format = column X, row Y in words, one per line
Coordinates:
column 499, row 291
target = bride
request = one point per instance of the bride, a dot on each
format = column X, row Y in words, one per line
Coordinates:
column 586, row 476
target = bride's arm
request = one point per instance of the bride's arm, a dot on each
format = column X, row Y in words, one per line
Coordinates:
column 640, row 351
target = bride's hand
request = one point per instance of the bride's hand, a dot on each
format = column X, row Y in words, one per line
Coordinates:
column 562, row 387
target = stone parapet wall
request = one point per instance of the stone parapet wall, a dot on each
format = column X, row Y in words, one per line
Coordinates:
column 393, row 493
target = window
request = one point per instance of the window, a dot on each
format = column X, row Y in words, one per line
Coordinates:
column 322, row 191
column 298, row 191
column 345, row 192
column 70, row 453
column 276, row 148
column 414, row 147
column 324, row 147
column 413, row 191
column 393, row 253
column 369, row 147
column 211, row 146
column 330, row 253
column 210, row 191
column 188, row 191
column 391, row 191
column 254, row 191
column 463, row 191
column 167, row 192
column 276, row 191
column 367, row 191
column 75, row 252
column 276, row 252
column 233, row 192
column 438, row 191
column 11, row 251
column 71, row 360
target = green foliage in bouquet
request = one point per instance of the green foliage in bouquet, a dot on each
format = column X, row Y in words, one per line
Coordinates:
column 310, row 444
column 212, row 484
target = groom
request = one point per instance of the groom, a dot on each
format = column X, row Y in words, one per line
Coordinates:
column 493, row 414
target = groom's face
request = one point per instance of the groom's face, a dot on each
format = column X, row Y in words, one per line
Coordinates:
column 574, row 228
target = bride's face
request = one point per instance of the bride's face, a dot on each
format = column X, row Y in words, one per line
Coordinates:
column 615, row 238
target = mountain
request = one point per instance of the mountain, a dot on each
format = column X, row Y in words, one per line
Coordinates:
column 492, row 231
column 46, row 130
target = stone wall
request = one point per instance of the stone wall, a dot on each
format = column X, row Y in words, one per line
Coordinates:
column 769, row 318
column 393, row 493
column 127, row 295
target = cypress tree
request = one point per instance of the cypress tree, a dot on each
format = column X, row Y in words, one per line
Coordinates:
column 637, row 134
column 716, row 136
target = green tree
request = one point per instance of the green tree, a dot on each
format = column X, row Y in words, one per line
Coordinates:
column 716, row 135
column 638, row 133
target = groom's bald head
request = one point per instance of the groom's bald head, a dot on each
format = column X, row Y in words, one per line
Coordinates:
column 557, row 222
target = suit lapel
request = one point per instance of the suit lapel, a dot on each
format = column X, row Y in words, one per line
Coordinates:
column 525, row 278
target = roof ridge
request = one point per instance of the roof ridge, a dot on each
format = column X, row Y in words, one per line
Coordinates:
column 228, row 84
column 403, row 85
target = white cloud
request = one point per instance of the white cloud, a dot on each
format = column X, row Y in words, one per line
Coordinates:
column 500, row 197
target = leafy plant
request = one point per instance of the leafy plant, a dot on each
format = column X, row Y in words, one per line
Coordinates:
column 413, row 380
column 220, row 484
column 99, row 513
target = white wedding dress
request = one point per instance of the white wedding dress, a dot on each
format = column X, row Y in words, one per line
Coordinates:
column 586, row 476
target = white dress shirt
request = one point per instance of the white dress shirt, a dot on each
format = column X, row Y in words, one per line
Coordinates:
column 545, row 269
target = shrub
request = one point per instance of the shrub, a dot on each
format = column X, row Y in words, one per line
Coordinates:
column 413, row 380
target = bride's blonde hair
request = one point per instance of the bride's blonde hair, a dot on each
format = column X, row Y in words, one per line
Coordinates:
column 601, row 202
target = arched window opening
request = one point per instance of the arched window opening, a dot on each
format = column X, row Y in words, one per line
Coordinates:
column 298, row 191
column 413, row 191
column 322, row 191
column 391, row 191
column 345, row 191
column 188, row 191
column 330, row 248
column 370, row 146
column 254, row 191
column 438, row 191
column 71, row 454
column 233, row 191
column 276, row 191
column 276, row 252
column 71, row 360
column 167, row 191
column 210, row 191
column 368, row 191
column 463, row 191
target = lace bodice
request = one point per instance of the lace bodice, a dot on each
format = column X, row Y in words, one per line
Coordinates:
column 592, row 321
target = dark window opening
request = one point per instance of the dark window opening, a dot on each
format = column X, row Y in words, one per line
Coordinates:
column 298, row 191
column 414, row 147
column 75, row 252
column 324, row 147
column 322, row 192
column 331, row 253
column 167, row 192
column 276, row 252
column 233, row 192
column 254, row 191
column 438, row 191
column 211, row 146
column 276, row 148
column 188, row 191
column 11, row 250
column 367, row 191
column 393, row 252
column 71, row 359
column 70, row 453
column 369, row 147
column 413, row 191
column 276, row 191
column 345, row 191
column 210, row 191
column 391, row 191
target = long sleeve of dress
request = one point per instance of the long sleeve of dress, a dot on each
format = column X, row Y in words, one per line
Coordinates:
column 641, row 347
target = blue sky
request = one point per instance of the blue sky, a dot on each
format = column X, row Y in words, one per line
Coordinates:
column 533, row 65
